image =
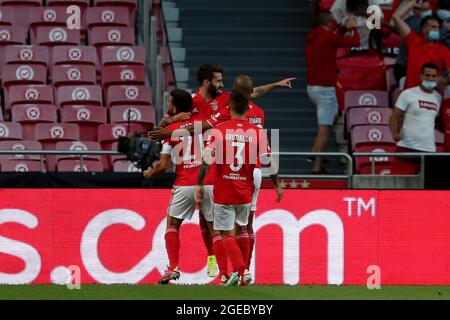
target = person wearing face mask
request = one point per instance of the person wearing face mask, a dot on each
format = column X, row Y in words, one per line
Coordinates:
column 443, row 12
column 421, row 48
column 321, row 45
column 413, row 120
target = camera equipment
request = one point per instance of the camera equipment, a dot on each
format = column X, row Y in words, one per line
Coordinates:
column 141, row 151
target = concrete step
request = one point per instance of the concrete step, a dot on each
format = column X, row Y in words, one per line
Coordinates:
column 245, row 53
column 237, row 21
column 257, row 32
column 238, row 41
column 245, row 12
column 239, row 3
column 247, row 62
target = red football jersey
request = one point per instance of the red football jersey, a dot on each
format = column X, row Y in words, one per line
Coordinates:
column 207, row 108
column 237, row 146
column 186, row 153
column 255, row 115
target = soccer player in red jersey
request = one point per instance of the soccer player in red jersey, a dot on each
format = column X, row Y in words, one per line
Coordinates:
column 236, row 147
column 185, row 153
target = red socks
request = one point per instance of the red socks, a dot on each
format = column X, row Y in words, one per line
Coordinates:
column 234, row 253
column 221, row 255
column 251, row 237
column 243, row 242
column 173, row 247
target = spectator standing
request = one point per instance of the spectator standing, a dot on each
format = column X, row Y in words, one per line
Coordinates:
column 321, row 46
column 413, row 120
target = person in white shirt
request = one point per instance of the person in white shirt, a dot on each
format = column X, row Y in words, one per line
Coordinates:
column 413, row 119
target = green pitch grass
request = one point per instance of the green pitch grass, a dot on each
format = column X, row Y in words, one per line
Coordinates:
column 208, row 292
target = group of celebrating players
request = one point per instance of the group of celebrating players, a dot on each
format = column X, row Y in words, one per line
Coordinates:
column 216, row 141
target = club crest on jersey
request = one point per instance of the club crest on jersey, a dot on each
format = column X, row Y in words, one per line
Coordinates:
column 215, row 105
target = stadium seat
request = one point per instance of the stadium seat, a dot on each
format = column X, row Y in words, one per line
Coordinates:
column 367, row 116
column 46, row 16
column 75, row 55
column 83, row 4
column 21, row 9
column 382, row 164
column 75, row 166
column 136, row 114
column 29, row 115
column 130, row 5
column 49, row 134
column 113, row 55
column 87, row 117
column 110, row 133
column 54, row 36
column 20, row 146
column 78, row 146
column 10, row 131
column 66, row 75
column 366, row 99
column 125, row 95
column 87, row 94
column 12, row 35
column 27, row 55
column 15, row 74
column 26, row 94
column 108, row 36
column 17, row 165
column 123, row 74
column 107, row 17
column 371, row 135
column 125, row 166
column 120, row 157
column 394, row 96
column 6, row 16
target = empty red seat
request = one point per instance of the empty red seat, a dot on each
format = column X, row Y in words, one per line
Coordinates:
column 366, row 99
column 53, row 36
column 86, row 94
column 26, row 55
column 26, row 94
column 125, row 166
column 135, row 114
column 123, row 74
column 47, row 16
column 16, row 74
column 49, row 134
column 382, row 164
column 75, row 55
column 87, row 117
column 6, row 16
column 107, row 17
column 130, row 5
column 125, row 95
column 75, row 166
column 65, row 3
column 112, row 55
column 78, row 146
column 66, row 75
column 20, row 146
column 119, row 157
column 109, row 36
column 10, row 131
column 367, row 116
column 12, row 35
column 21, row 9
column 17, row 165
column 29, row 115
column 372, row 136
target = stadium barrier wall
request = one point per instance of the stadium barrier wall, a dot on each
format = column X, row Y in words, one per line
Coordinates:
column 311, row 237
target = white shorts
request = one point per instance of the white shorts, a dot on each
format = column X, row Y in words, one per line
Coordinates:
column 182, row 205
column 226, row 216
column 257, row 178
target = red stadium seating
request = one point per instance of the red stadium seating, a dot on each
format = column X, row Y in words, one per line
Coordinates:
column 46, row 16
column 20, row 146
column 29, row 115
column 78, row 146
column 10, row 131
column 367, row 116
column 383, row 164
column 136, row 114
column 123, row 74
column 125, row 166
column 371, row 135
column 75, row 55
column 394, row 96
column 75, row 166
column 25, row 94
column 167, row 67
column 66, row 75
column 21, row 9
column 108, row 36
column 53, row 36
column 15, row 74
column 107, row 17
column 83, row 4
column 87, row 94
column 112, row 55
column 131, row 6
column 119, row 157
column 6, row 16
column 87, row 117
column 12, row 35
column 125, row 95
column 16, row 165
column 366, row 99
column 26, row 55
column 49, row 134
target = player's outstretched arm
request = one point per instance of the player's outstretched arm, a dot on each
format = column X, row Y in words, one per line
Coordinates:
column 161, row 167
column 182, row 116
column 262, row 90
